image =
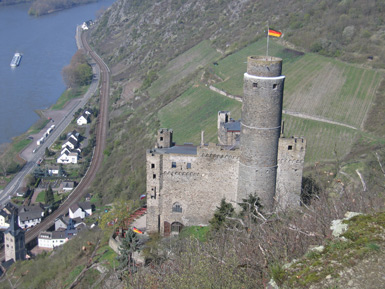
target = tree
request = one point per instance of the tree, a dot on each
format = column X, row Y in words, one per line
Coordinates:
column 78, row 72
column 224, row 210
column 48, row 197
column 48, row 153
column 251, row 206
column 130, row 244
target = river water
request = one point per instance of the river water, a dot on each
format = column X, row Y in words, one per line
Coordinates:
column 47, row 44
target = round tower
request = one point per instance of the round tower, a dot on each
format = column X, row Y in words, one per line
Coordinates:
column 260, row 129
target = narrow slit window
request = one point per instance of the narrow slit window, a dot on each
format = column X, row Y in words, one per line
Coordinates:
column 153, row 166
column 154, row 176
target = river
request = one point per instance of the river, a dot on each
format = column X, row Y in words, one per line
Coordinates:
column 47, row 44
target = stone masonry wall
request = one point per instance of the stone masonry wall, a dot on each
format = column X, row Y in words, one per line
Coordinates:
column 291, row 157
column 197, row 183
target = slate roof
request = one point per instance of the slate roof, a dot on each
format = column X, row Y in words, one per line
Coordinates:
column 233, row 126
column 74, row 207
column 85, row 206
column 32, row 212
column 186, row 149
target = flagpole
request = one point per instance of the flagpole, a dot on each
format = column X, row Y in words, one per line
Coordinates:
column 267, row 49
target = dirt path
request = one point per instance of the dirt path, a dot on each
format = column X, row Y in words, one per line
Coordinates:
column 292, row 113
column 305, row 116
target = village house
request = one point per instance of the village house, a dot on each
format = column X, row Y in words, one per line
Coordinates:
column 4, row 219
column 71, row 143
column 65, row 232
column 83, row 119
column 68, row 158
column 67, row 186
column 22, row 191
column 80, row 210
column 30, row 216
column 54, row 170
column 62, row 222
column 51, row 239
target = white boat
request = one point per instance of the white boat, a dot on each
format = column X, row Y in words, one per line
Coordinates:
column 16, row 59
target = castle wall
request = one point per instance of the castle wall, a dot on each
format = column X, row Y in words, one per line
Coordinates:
column 260, row 129
column 291, row 157
column 194, row 183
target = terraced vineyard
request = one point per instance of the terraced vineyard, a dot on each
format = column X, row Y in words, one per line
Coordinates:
column 315, row 86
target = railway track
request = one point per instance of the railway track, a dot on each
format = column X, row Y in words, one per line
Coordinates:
column 101, row 134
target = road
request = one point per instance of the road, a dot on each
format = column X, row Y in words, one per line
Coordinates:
column 101, row 133
column 60, row 126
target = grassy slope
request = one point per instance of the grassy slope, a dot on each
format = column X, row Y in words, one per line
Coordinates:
column 315, row 85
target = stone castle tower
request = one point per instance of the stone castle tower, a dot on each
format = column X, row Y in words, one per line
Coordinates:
column 14, row 241
column 186, row 183
column 260, row 128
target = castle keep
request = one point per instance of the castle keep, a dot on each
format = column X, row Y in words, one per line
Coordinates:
column 186, row 183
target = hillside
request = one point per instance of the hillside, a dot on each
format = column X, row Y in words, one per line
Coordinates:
column 164, row 56
column 156, row 52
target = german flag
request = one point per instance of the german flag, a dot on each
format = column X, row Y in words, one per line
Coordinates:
column 137, row 231
column 274, row 33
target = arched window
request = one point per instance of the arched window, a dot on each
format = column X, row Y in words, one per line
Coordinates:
column 177, row 208
column 176, row 227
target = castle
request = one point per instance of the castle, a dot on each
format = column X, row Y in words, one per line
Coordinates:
column 186, row 183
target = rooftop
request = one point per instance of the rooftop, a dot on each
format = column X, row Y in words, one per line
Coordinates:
column 186, row 149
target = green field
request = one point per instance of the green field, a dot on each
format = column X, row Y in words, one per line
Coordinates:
column 194, row 111
column 315, row 86
column 324, row 141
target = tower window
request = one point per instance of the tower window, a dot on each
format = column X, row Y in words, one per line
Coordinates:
column 290, row 148
column 274, row 86
column 189, row 165
column 154, row 176
column 173, row 164
column 161, row 138
column 255, row 85
column 176, row 208
column 153, row 166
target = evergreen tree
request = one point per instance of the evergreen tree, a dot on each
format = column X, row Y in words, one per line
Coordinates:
column 224, row 210
column 48, row 197
column 251, row 205
column 130, row 244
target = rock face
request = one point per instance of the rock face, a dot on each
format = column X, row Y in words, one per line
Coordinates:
column 353, row 259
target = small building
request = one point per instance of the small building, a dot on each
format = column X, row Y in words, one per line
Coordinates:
column 4, row 219
column 83, row 119
column 54, row 170
column 80, row 210
column 22, row 191
column 30, row 216
column 59, row 236
column 71, row 142
column 62, row 222
column 9, row 208
column 68, row 158
column 67, row 186
column 52, row 239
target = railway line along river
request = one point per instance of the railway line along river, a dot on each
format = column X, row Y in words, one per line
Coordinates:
column 47, row 44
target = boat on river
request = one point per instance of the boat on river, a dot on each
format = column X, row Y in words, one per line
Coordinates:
column 16, row 60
